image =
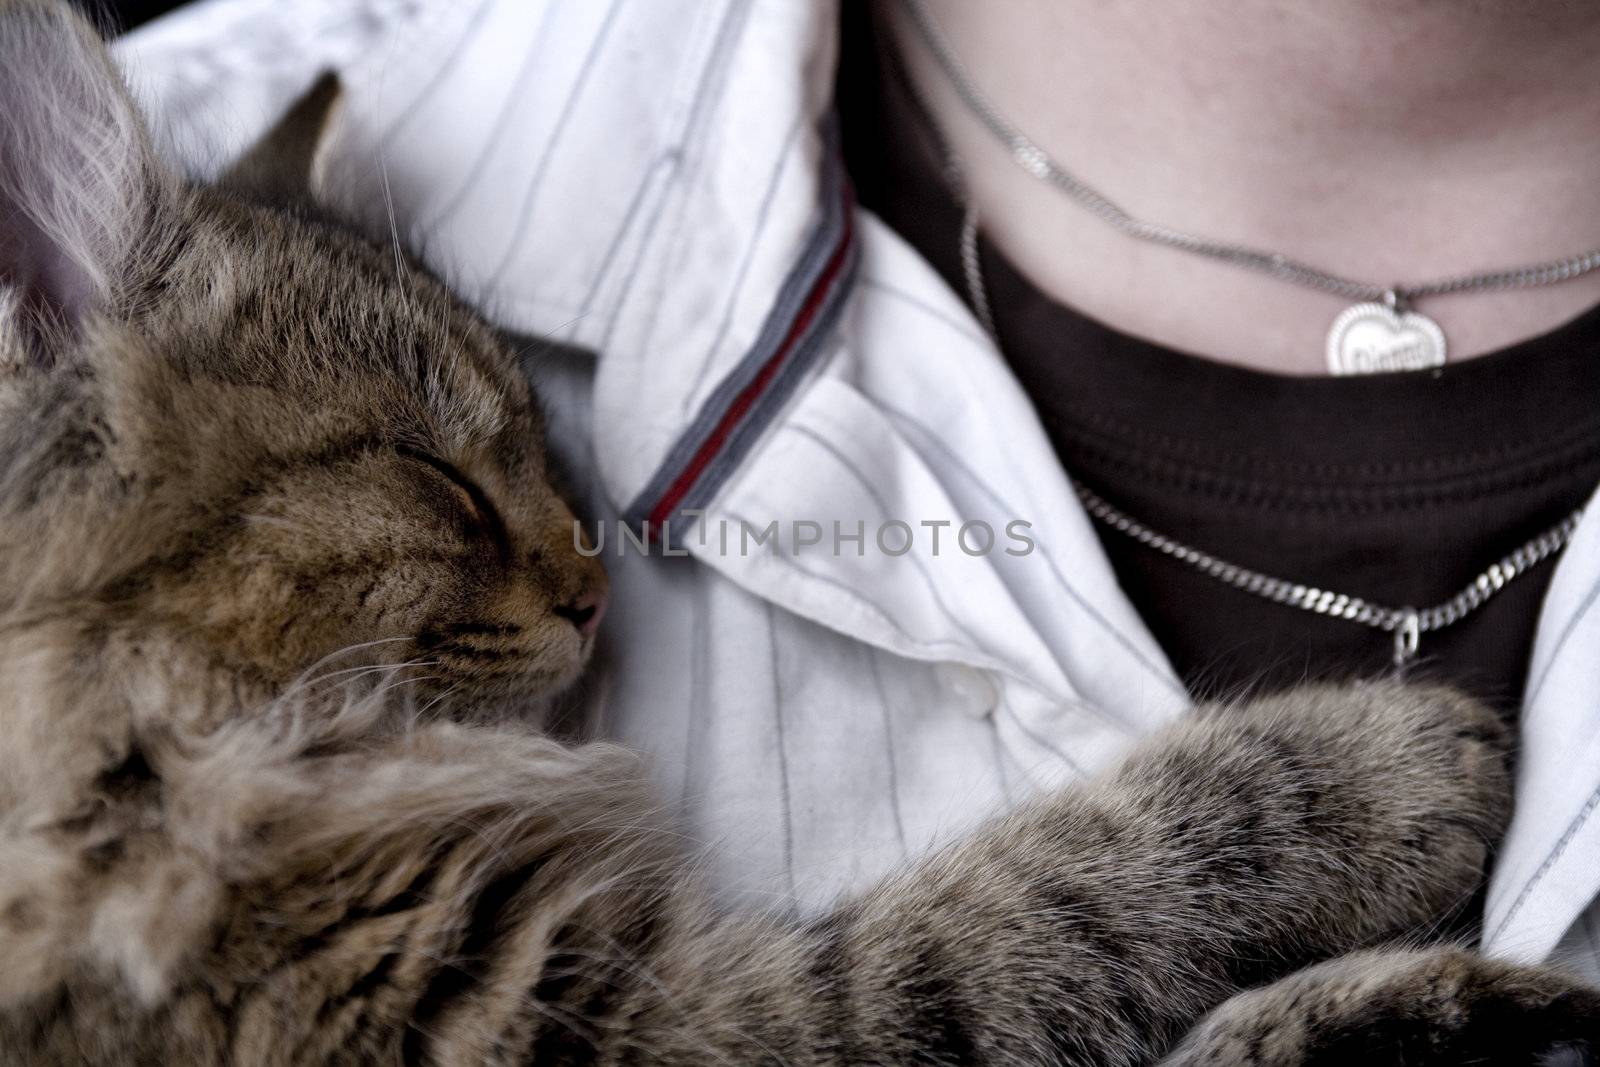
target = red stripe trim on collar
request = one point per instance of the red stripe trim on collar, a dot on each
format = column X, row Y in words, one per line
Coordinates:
column 822, row 297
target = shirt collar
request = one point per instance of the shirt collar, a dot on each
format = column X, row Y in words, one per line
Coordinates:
column 1548, row 870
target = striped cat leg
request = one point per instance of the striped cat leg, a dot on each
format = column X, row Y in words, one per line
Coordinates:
column 1097, row 925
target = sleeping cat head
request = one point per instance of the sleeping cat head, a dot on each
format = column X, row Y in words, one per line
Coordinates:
column 242, row 447
column 268, row 494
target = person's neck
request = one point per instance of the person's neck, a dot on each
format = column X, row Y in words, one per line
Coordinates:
column 1394, row 141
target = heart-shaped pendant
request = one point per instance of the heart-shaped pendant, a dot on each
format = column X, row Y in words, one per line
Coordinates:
column 1378, row 339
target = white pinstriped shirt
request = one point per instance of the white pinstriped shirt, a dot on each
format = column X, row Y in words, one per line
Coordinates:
column 653, row 181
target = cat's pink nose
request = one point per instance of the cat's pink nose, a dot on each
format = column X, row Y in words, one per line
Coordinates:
column 585, row 612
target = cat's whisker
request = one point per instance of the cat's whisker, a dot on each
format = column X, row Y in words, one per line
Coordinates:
column 309, row 675
column 357, row 672
column 394, row 230
column 430, row 705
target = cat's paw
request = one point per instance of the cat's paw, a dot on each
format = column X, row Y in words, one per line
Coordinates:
column 1426, row 781
column 1384, row 1009
column 1361, row 811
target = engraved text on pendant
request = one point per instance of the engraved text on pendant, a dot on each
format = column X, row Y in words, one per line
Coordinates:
column 1376, row 339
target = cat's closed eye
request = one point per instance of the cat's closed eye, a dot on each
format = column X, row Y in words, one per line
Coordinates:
column 475, row 502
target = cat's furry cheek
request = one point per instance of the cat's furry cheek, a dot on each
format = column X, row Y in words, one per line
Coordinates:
column 60, row 912
column 37, row 924
column 144, row 930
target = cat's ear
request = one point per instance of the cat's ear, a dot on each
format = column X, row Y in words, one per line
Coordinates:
column 281, row 166
column 79, row 183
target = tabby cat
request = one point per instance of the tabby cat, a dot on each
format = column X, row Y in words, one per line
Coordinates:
column 283, row 586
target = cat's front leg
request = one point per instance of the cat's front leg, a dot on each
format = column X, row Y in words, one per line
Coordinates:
column 1381, row 1008
column 1096, row 926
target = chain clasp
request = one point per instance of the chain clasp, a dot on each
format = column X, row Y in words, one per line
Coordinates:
column 1407, row 635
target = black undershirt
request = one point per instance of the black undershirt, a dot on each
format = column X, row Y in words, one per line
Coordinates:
column 1398, row 488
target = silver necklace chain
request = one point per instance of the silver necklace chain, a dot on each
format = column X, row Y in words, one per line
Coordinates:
column 1033, row 159
column 1406, row 624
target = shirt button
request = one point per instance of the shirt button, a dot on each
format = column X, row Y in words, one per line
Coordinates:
column 968, row 689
